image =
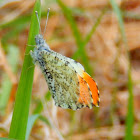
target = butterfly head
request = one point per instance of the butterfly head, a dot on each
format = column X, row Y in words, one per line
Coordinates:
column 39, row 39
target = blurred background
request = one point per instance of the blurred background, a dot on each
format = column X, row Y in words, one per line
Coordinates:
column 90, row 33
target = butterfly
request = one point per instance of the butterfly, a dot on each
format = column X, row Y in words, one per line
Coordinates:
column 70, row 86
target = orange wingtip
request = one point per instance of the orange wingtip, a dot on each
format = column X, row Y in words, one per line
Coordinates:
column 85, row 97
column 93, row 87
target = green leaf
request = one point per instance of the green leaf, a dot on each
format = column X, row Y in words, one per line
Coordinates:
column 30, row 124
column 44, row 119
column 130, row 107
column 48, row 96
column 23, row 96
column 39, row 107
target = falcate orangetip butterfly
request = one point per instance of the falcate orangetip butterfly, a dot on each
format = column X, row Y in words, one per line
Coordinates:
column 70, row 86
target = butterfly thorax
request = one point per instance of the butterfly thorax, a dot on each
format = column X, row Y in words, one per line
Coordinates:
column 40, row 42
column 39, row 39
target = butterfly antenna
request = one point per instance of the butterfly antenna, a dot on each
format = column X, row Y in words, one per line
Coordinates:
column 38, row 21
column 46, row 21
